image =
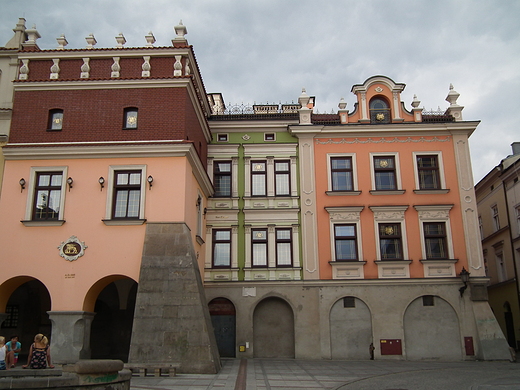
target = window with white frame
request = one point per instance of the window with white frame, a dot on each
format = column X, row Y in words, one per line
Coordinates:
column 258, row 178
column 434, row 225
column 126, row 195
column 341, row 172
column 282, row 177
column 46, row 199
column 501, row 268
column 221, row 248
column 428, row 171
column 259, row 247
column 345, row 230
column 390, row 232
column 283, row 247
column 386, row 177
column 480, row 227
column 435, row 240
column 345, row 242
column 222, row 178
column 494, row 215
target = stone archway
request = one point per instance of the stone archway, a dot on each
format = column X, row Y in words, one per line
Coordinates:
column 111, row 328
column 350, row 329
column 223, row 318
column 273, row 329
column 27, row 302
column 431, row 330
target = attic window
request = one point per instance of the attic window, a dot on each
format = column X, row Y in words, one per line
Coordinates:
column 130, row 118
column 269, row 137
column 55, row 120
column 222, row 137
column 349, row 302
column 379, row 111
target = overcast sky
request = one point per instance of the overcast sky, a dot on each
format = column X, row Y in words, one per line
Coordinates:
column 267, row 50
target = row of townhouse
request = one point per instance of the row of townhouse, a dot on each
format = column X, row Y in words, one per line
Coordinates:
column 498, row 201
column 142, row 218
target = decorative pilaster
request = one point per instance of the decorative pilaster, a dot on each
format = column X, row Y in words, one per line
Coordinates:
column 177, row 66
column 55, row 69
column 116, row 68
column 70, row 335
column 85, row 69
column 24, row 69
column 146, row 67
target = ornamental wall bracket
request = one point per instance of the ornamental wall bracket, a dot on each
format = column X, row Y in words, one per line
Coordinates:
column 72, row 249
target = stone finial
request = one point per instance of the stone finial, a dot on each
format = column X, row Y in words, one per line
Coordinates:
column 415, row 102
column 121, row 40
column 304, row 112
column 454, row 109
column 150, row 39
column 452, row 96
column 304, row 98
column 91, row 41
column 342, row 104
column 181, row 31
column 62, row 42
column 32, row 36
column 343, row 112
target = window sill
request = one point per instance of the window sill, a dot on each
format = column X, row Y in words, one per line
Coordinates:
column 397, row 261
column 54, row 129
column 43, row 223
column 347, row 262
column 432, row 192
column 123, row 222
column 439, row 260
column 342, row 193
column 129, row 128
column 387, row 192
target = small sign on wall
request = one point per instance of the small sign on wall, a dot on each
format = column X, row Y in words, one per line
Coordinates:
column 391, row 347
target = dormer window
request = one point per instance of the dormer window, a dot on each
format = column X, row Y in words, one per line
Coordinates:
column 55, row 119
column 379, row 111
column 130, row 118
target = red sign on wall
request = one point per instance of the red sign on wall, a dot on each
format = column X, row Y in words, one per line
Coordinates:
column 391, row 347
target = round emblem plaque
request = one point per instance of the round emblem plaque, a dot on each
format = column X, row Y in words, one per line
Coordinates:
column 72, row 249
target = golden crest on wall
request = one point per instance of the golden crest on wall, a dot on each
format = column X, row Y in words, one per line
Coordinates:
column 72, row 249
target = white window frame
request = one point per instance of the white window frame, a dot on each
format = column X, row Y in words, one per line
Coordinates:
column 28, row 221
column 399, row 185
column 495, row 217
column 442, row 177
column 345, row 216
column 390, row 214
column 435, row 213
column 108, row 220
column 352, row 156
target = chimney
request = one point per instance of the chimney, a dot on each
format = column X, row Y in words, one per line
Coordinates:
column 516, row 148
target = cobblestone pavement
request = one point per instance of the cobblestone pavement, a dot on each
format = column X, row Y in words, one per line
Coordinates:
column 277, row 374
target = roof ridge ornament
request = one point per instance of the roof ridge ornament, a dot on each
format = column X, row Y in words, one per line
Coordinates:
column 181, row 31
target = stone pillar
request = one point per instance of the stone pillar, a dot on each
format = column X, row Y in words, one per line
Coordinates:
column 70, row 339
column 171, row 321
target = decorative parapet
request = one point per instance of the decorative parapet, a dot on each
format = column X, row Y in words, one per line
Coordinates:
column 454, row 109
column 146, row 67
column 24, row 70
column 91, row 41
column 150, row 39
column 62, row 42
column 85, row 69
column 116, row 68
column 121, row 40
column 55, row 69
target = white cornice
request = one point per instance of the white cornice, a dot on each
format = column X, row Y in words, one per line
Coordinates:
column 102, row 84
column 64, row 151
